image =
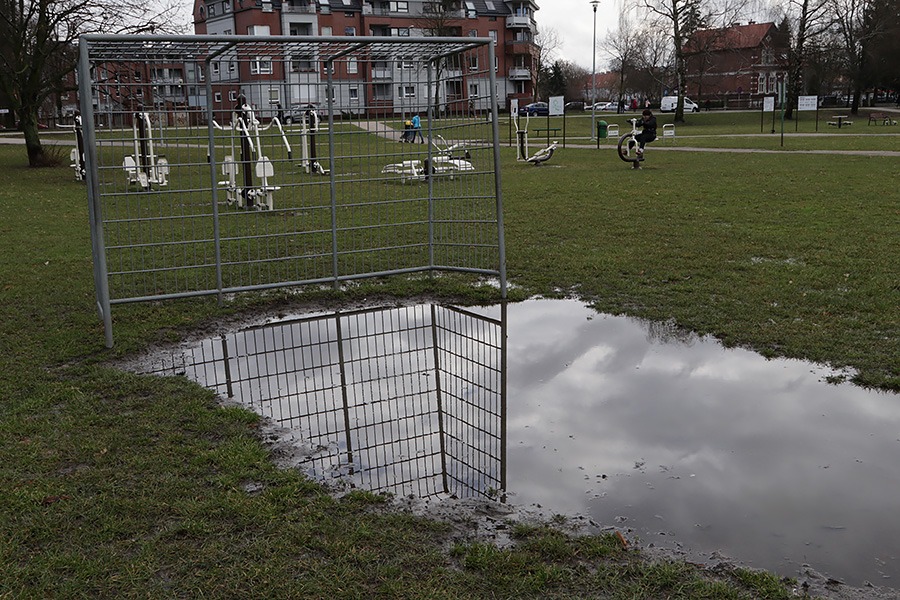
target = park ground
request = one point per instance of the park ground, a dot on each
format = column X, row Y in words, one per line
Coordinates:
column 117, row 485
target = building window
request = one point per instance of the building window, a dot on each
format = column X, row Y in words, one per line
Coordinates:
column 352, row 66
column 354, row 94
column 215, row 68
column 232, row 96
column 274, row 95
column 382, row 91
column 258, row 30
column 473, row 62
column 211, row 9
column 261, row 65
column 454, row 90
column 226, row 6
column 302, row 62
column 327, row 32
column 493, row 35
column 407, row 91
column 351, row 31
column 761, row 83
column 231, row 66
column 217, row 97
column 473, row 91
column 399, row 32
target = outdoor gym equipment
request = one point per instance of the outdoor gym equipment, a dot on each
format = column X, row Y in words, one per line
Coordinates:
column 542, row 156
column 245, row 129
column 628, row 146
column 521, row 138
column 309, row 159
column 522, row 149
column 448, row 160
column 144, row 168
column 76, row 155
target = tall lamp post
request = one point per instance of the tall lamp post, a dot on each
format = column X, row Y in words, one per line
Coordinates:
column 594, row 3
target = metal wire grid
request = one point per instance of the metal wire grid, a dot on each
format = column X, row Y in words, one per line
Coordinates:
column 377, row 396
column 473, row 395
column 347, row 201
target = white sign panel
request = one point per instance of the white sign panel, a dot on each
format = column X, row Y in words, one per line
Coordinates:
column 557, row 105
column 768, row 103
column 514, row 106
column 807, row 102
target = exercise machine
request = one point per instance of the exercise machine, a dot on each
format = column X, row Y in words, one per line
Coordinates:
column 309, row 159
column 522, row 149
column 144, row 168
column 76, row 155
column 254, row 191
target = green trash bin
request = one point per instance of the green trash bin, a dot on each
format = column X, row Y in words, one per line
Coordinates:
column 601, row 129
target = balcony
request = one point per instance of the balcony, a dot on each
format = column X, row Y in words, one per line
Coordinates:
column 519, row 21
column 298, row 9
column 519, row 74
column 521, row 46
column 386, row 74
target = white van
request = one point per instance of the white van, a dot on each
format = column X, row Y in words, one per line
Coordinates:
column 669, row 103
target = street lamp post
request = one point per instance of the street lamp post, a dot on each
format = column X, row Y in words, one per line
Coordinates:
column 594, row 3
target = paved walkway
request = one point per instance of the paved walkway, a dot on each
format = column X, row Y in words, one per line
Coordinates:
column 381, row 129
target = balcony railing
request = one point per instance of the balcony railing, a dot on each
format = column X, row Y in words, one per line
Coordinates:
column 519, row 74
column 517, row 21
column 298, row 9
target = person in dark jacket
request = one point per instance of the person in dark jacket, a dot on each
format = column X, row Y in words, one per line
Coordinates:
column 648, row 123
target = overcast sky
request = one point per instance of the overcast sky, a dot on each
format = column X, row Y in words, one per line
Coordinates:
column 573, row 20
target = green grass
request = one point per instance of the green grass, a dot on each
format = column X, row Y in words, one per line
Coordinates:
column 115, row 485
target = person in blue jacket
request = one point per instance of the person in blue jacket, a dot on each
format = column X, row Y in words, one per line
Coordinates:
column 417, row 129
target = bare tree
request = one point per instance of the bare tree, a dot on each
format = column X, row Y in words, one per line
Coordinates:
column 857, row 27
column 624, row 46
column 683, row 18
column 803, row 22
column 38, row 42
column 548, row 43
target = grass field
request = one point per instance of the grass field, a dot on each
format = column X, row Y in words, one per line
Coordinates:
column 115, row 485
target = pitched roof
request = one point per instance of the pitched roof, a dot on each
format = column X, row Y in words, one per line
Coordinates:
column 735, row 37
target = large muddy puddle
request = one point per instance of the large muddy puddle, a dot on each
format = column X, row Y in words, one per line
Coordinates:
column 671, row 437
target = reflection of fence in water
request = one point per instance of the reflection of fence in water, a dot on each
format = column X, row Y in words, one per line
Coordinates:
column 409, row 400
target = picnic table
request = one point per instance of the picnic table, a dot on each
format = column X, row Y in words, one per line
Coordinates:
column 555, row 131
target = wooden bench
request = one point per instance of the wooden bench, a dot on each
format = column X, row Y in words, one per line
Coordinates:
column 884, row 118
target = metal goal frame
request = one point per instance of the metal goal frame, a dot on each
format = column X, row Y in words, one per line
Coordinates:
column 219, row 164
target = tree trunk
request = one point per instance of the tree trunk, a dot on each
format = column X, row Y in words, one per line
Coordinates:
column 28, row 123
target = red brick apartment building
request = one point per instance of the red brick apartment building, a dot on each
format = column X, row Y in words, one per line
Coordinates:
column 297, row 80
column 741, row 61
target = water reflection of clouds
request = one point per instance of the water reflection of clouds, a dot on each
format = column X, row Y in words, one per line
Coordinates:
column 755, row 457
column 718, row 449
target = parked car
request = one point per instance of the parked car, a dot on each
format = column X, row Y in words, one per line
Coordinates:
column 604, row 106
column 535, row 108
column 297, row 111
column 669, row 103
column 574, row 106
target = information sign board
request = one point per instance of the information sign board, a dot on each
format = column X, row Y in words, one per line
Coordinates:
column 807, row 102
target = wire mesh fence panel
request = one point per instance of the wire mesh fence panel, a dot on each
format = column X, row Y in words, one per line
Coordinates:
column 232, row 163
column 405, row 400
